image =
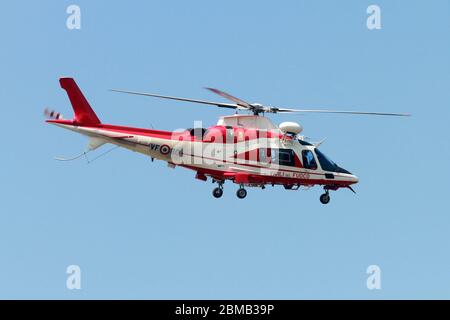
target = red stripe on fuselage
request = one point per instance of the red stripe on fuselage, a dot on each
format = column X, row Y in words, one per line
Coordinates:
column 226, row 175
column 121, row 129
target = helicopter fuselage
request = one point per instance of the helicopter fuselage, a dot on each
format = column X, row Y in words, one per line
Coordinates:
column 247, row 156
column 248, row 150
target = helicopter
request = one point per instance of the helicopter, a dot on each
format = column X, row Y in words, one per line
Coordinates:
column 246, row 149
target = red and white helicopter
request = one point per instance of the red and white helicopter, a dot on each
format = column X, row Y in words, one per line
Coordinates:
column 248, row 150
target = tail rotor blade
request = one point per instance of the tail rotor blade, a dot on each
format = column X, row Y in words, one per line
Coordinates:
column 52, row 114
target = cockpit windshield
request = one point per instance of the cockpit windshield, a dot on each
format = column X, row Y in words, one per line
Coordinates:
column 327, row 164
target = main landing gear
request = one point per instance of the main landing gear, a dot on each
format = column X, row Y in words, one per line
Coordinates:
column 325, row 198
column 218, row 192
column 241, row 193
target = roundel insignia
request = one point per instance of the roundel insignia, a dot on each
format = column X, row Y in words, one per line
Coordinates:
column 164, row 149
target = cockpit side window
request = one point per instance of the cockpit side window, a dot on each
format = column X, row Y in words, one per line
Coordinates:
column 309, row 162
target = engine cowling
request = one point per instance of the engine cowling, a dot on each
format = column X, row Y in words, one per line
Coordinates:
column 291, row 128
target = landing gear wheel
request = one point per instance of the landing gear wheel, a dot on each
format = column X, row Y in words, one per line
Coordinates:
column 325, row 198
column 217, row 192
column 241, row 193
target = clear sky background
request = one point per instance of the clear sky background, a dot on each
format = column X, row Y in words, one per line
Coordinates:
column 140, row 230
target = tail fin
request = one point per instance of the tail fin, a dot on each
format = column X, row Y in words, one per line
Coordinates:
column 84, row 114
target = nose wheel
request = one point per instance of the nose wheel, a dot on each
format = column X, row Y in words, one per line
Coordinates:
column 325, row 198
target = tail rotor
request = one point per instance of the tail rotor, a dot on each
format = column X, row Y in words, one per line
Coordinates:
column 52, row 114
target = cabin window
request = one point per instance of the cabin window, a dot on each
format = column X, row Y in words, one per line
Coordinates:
column 283, row 157
column 286, row 157
column 229, row 136
column 263, row 155
column 309, row 162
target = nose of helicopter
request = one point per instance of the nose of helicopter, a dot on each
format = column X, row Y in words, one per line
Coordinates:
column 353, row 179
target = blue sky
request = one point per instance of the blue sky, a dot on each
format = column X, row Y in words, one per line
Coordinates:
column 140, row 230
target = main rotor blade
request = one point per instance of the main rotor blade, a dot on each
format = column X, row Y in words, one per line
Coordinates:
column 344, row 112
column 218, row 104
column 225, row 95
column 241, row 104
